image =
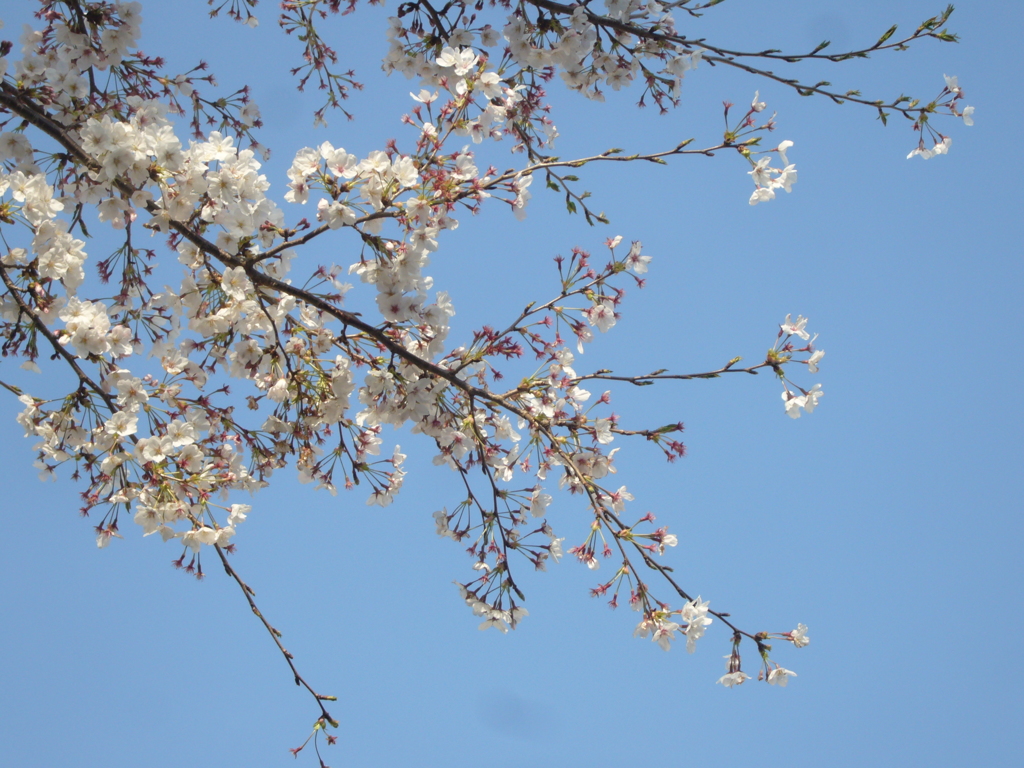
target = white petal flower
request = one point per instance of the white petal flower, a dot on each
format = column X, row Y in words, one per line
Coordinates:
column 780, row 676
column 813, row 394
column 635, row 261
column 695, row 614
column 795, row 327
column 665, row 634
column 733, row 678
column 812, row 362
column 462, row 59
column 601, row 315
column 235, row 283
column 238, row 513
column 539, row 502
column 798, row 636
column 782, row 148
column 762, row 173
column 424, row 96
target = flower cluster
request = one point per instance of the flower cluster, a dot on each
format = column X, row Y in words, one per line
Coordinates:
column 770, row 671
column 150, row 424
column 493, row 617
column 782, row 352
column 948, row 99
column 657, row 624
column 768, row 179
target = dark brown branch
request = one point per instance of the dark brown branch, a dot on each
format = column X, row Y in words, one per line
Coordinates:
column 276, row 636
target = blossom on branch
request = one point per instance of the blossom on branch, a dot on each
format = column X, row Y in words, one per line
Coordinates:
column 245, row 356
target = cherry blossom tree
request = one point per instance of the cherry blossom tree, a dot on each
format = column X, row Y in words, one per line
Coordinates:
column 180, row 383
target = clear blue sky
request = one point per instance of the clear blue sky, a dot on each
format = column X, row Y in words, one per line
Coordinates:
column 888, row 521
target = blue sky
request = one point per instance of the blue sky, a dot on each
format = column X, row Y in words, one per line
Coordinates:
column 888, row 521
